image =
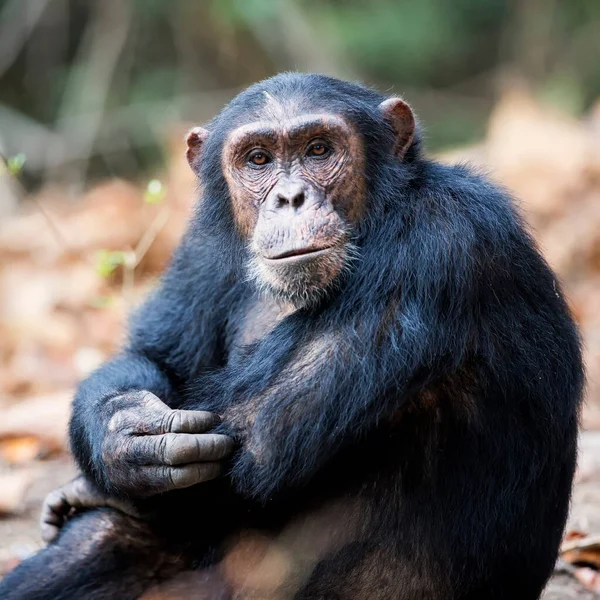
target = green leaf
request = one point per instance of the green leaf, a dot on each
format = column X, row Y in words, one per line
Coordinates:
column 15, row 164
column 107, row 261
column 155, row 192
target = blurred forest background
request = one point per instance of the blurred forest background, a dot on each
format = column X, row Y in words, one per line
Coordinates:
column 95, row 98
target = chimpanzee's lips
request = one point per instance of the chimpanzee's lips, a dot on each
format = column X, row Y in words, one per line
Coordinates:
column 299, row 254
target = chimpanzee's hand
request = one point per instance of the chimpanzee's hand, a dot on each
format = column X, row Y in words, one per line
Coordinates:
column 150, row 448
column 77, row 495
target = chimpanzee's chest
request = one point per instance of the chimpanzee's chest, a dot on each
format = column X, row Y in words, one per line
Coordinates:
column 259, row 316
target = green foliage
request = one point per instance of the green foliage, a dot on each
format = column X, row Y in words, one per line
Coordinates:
column 155, row 192
column 107, row 261
column 15, row 164
column 426, row 42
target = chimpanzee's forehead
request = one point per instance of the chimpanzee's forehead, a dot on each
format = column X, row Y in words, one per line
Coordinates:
column 305, row 124
column 280, row 108
column 276, row 105
column 290, row 94
column 273, row 108
column 289, row 115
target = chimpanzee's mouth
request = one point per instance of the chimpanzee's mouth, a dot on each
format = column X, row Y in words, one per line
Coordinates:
column 299, row 254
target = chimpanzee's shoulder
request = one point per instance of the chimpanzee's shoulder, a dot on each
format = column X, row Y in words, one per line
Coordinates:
column 466, row 192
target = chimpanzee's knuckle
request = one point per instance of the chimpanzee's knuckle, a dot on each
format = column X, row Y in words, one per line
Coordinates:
column 80, row 486
column 212, row 445
column 117, row 450
column 207, row 420
column 117, row 422
column 197, row 421
column 168, row 448
column 146, row 398
column 169, row 477
column 178, row 421
column 55, row 499
column 54, row 496
column 165, row 420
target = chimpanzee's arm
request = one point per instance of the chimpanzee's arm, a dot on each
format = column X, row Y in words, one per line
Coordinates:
column 449, row 289
column 124, row 433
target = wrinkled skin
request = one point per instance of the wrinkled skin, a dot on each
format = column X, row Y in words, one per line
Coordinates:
column 78, row 494
column 150, row 448
column 297, row 188
column 292, row 203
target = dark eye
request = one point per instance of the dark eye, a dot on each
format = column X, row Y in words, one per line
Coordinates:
column 318, row 149
column 259, row 158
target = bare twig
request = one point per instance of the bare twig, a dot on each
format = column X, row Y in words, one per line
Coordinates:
column 56, row 232
column 89, row 81
column 133, row 258
column 60, row 238
column 150, row 234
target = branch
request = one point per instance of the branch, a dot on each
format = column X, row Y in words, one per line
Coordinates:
column 89, row 80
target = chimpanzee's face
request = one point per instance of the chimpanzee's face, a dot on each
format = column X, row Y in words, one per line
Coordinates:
column 297, row 187
column 296, row 181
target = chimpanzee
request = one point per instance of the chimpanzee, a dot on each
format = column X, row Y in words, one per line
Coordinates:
column 358, row 379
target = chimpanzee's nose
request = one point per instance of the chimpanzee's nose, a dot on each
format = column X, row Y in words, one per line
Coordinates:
column 291, row 194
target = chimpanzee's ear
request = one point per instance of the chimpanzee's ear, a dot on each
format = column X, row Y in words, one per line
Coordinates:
column 195, row 140
column 399, row 116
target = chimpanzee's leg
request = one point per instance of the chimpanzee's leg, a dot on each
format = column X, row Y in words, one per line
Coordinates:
column 101, row 554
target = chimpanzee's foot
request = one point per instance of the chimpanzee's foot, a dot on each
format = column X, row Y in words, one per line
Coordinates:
column 101, row 554
column 75, row 496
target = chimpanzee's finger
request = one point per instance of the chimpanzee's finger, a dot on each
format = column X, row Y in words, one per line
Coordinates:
column 76, row 495
column 49, row 531
column 144, row 412
column 190, row 421
column 179, row 448
column 55, row 505
column 158, row 418
column 54, row 512
column 163, row 479
column 81, row 494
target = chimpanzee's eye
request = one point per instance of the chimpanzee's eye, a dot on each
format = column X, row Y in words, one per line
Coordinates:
column 259, row 158
column 318, row 149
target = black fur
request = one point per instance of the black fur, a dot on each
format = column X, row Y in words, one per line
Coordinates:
column 438, row 386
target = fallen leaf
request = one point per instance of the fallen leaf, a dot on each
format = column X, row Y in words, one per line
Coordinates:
column 13, row 486
column 20, row 450
column 44, row 417
column 584, row 550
